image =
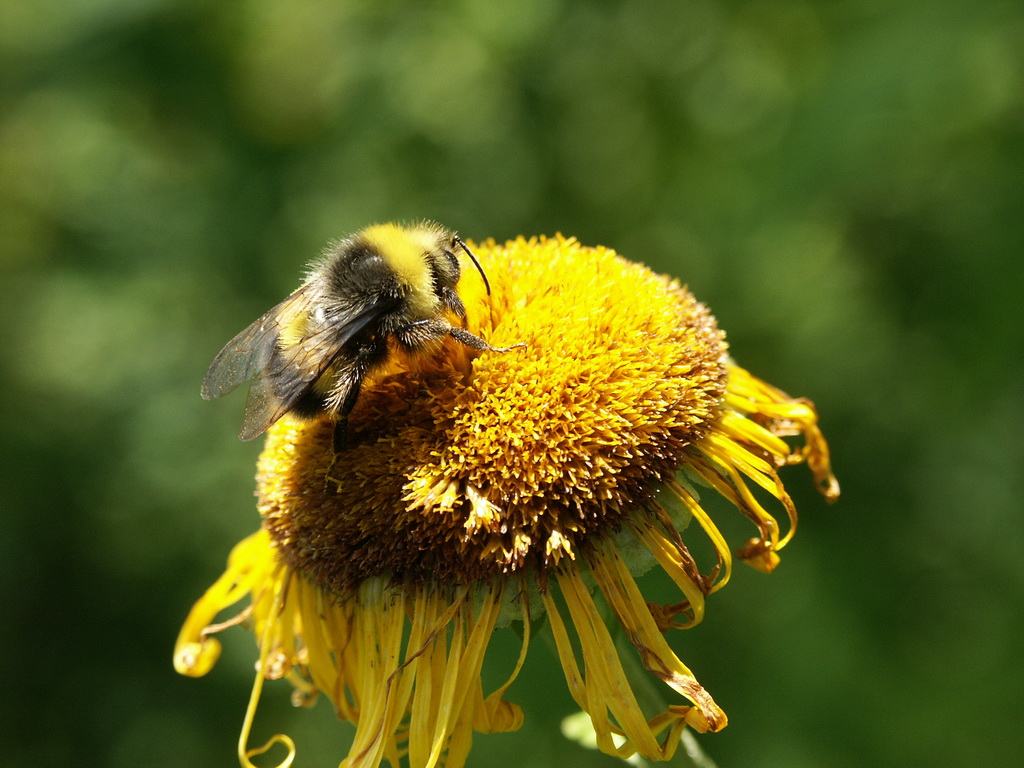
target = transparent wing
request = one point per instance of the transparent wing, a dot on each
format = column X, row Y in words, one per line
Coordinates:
column 249, row 353
column 281, row 376
column 288, row 375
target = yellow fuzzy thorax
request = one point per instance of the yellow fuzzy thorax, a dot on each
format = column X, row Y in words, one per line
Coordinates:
column 403, row 248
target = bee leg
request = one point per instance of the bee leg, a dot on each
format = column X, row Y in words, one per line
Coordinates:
column 340, row 437
column 451, row 300
column 414, row 335
column 340, row 442
column 341, row 432
column 463, row 336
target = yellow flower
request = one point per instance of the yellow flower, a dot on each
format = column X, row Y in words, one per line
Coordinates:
column 480, row 489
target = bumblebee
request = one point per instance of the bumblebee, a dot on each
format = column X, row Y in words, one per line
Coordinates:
column 385, row 289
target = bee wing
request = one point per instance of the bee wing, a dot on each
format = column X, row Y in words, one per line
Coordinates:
column 288, row 375
column 285, row 378
column 249, row 353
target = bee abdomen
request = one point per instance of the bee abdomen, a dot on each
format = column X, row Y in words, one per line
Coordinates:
column 311, row 404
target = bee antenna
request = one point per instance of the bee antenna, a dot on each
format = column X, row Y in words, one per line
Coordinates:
column 458, row 241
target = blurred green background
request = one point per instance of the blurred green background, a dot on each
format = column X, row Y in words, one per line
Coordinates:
column 842, row 181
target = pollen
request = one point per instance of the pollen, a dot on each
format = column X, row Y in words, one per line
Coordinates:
column 516, row 460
